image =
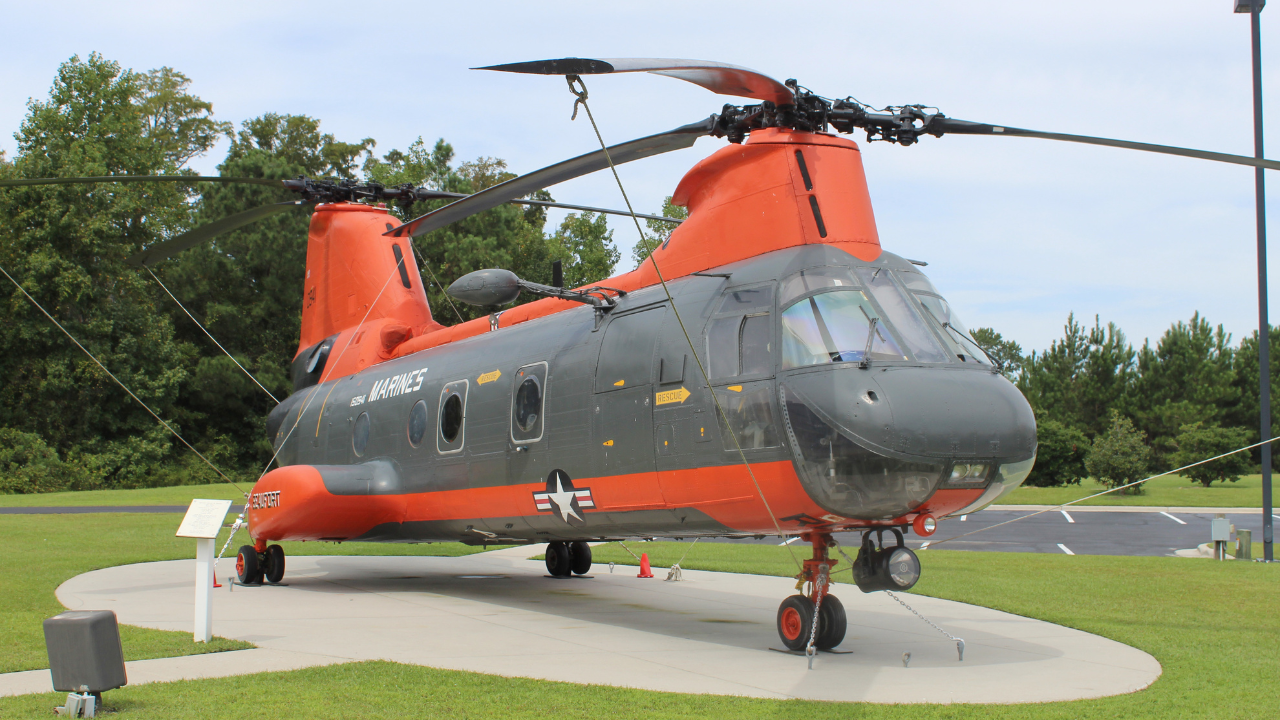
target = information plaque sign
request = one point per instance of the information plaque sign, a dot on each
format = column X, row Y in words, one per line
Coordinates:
column 204, row 518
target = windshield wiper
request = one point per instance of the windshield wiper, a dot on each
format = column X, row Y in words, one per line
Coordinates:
column 965, row 338
column 871, row 337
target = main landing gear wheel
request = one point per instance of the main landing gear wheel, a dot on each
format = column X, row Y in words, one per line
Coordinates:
column 580, row 558
column 795, row 618
column 832, row 623
column 558, row 559
column 273, row 569
column 248, row 568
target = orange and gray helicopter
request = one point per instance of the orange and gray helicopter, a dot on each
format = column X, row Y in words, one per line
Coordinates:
column 769, row 369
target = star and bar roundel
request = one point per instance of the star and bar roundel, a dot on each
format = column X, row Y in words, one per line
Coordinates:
column 563, row 498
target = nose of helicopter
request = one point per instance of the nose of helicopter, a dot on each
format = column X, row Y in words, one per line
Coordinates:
column 876, row 443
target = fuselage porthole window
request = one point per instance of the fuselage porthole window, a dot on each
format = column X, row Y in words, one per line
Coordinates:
column 417, row 423
column 529, row 396
column 360, row 434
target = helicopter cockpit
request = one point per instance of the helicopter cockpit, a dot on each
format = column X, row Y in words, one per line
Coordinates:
column 877, row 417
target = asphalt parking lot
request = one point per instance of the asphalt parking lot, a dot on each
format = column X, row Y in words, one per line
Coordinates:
column 1073, row 531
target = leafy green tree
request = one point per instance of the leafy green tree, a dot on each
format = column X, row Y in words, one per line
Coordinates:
column 67, row 245
column 1188, row 377
column 1201, row 441
column 1120, row 455
column 1007, row 354
column 1060, row 455
column 1245, row 413
column 584, row 243
column 659, row 230
column 1081, row 377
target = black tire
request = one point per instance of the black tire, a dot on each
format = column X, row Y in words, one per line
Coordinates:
column 273, row 569
column 832, row 623
column 795, row 618
column 248, row 566
column 580, row 558
column 558, row 559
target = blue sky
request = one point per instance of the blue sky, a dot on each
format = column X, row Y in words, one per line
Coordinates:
column 1018, row 232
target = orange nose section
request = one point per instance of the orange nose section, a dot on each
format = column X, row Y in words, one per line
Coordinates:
column 292, row 503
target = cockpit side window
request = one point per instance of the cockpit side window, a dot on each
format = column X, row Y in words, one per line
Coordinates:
column 940, row 311
column 740, row 338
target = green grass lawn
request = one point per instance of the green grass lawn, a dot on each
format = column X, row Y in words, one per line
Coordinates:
column 178, row 495
column 43, row 551
column 1169, row 491
column 1213, row 627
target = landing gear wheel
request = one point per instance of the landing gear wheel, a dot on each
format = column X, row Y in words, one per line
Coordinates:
column 832, row 623
column 795, row 618
column 248, row 569
column 558, row 559
column 274, row 567
column 580, row 557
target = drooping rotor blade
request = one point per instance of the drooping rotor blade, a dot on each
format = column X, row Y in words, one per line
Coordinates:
column 138, row 179
column 681, row 137
column 941, row 125
column 177, row 244
column 720, row 78
column 433, row 194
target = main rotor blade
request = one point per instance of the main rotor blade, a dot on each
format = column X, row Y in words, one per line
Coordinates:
column 138, row 179
column 548, row 203
column 680, row 138
column 177, row 244
column 963, row 127
column 720, row 78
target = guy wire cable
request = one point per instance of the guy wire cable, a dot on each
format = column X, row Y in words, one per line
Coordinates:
column 582, row 99
column 934, row 544
column 117, row 380
column 432, row 273
column 211, row 337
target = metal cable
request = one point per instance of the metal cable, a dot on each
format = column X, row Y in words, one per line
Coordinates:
column 211, row 337
column 958, row 641
column 117, row 380
column 1104, row 492
column 582, row 99
column 427, row 265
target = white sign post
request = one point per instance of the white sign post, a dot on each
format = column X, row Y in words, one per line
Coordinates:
column 203, row 521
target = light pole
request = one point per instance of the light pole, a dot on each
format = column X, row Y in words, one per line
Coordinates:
column 1254, row 8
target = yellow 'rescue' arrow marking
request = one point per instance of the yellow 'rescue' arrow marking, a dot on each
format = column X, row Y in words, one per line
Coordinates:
column 735, row 388
column 489, row 377
column 678, row 395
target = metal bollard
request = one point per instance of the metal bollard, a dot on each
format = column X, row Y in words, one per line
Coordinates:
column 1244, row 544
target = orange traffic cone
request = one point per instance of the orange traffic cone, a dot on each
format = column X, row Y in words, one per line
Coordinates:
column 644, row 566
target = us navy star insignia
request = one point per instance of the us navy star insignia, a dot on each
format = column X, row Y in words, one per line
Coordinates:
column 562, row 497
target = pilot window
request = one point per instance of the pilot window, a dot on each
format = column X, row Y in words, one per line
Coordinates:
column 527, row 403
column 742, row 343
column 910, row 326
column 833, row 327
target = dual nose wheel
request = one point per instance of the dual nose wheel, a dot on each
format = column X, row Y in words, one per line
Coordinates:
column 796, row 617
column 566, row 559
column 253, row 567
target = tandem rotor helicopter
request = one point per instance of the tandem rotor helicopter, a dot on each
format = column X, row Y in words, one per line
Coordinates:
column 770, row 369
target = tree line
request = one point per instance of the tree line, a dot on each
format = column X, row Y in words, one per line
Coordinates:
column 65, row 425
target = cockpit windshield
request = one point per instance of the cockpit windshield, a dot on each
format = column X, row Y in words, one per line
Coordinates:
column 836, row 326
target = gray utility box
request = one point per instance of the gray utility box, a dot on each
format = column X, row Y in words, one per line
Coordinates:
column 84, row 651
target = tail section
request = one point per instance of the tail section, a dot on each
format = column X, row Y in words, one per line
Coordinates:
column 362, row 296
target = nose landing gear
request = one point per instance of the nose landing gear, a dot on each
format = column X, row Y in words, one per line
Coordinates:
column 796, row 615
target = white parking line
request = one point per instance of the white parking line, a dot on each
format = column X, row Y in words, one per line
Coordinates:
column 1065, row 549
column 924, row 545
column 1180, row 522
column 963, row 518
column 788, row 542
column 1068, row 517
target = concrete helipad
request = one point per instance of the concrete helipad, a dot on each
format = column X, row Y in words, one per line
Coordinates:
column 712, row 633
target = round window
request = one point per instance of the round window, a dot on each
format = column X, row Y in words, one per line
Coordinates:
column 417, row 423
column 451, row 418
column 528, row 404
column 360, row 434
